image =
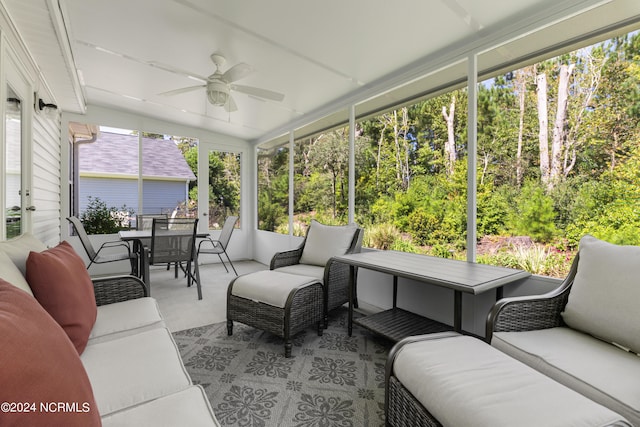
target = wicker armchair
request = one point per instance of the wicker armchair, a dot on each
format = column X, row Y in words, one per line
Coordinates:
column 112, row 289
column 336, row 275
column 531, row 312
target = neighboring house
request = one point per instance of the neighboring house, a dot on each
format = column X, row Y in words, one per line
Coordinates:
column 108, row 169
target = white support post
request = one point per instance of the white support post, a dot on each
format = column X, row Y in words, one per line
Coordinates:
column 291, row 171
column 472, row 154
column 352, row 163
column 140, row 177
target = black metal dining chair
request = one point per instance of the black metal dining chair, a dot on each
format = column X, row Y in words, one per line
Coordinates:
column 145, row 221
column 97, row 256
column 173, row 240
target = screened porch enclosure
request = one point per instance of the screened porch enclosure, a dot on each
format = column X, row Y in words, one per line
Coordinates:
column 356, row 107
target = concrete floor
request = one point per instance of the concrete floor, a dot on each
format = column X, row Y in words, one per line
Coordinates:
column 179, row 304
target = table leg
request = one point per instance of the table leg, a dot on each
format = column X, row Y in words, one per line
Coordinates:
column 395, row 291
column 457, row 311
column 144, row 267
column 351, row 292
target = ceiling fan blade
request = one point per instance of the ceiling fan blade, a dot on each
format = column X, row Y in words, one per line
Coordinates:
column 230, row 106
column 182, row 90
column 237, row 72
column 260, row 93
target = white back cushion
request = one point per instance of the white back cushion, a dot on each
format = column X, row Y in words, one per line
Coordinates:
column 19, row 247
column 326, row 241
column 605, row 295
column 10, row 273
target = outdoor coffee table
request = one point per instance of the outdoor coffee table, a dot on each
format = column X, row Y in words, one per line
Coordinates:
column 459, row 276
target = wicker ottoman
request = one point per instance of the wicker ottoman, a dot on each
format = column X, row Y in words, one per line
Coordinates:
column 281, row 303
column 454, row 380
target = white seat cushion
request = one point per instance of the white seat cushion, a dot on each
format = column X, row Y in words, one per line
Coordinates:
column 463, row 381
column 269, row 286
column 126, row 318
column 603, row 300
column 188, row 407
column 304, row 270
column 134, row 369
column 594, row 368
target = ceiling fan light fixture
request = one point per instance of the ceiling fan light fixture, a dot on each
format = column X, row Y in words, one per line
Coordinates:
column 218, row 93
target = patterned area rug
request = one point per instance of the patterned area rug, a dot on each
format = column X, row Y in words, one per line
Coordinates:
column 332, row 380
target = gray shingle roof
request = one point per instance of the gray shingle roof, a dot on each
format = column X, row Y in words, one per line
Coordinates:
column 114, row 153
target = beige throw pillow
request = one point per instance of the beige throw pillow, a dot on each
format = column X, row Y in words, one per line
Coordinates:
column 19, row 247
column 604, row 297
column 326, row 241
column 10, row 273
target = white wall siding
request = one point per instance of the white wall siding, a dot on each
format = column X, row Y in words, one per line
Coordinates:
column 45, row 188
column 41, row 135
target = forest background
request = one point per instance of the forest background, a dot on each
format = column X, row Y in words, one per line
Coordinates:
column 558, row 157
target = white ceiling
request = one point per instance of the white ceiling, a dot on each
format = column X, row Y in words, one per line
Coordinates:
column 321, row 55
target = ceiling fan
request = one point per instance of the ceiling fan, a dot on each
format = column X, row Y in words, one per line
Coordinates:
column 219, row 85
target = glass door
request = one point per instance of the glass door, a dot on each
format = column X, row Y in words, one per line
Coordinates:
column 14, row 221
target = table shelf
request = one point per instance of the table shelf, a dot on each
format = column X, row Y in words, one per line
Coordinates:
column 396, row 324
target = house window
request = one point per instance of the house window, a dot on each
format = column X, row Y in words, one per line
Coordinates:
column 12, row 169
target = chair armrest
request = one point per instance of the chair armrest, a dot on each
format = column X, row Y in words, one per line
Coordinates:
column 336, row 280
column 528, row 313
column 114, row 244
column 112, row 289
column 283, row 259
column 208, row 239
column 336, row 272
column 531, row 313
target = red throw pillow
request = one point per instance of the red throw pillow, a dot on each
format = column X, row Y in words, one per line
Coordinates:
column 60, row 282
column 42, row 380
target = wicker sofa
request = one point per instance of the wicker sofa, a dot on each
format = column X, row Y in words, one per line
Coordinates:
column 585, row 336
column 449, row 379
column 129, row 368
column 586, row 333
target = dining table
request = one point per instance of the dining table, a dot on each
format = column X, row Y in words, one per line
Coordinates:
column 141, row 240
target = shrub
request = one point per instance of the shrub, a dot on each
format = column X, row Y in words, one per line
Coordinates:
column 381, row 236
column 422, row 225
column 493, row 207
column 99, row 219
column 535, row 215
column 536, row 259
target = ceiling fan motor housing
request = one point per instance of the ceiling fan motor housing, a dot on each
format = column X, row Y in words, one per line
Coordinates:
column 218, row 92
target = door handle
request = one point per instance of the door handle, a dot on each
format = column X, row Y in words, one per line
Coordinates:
column 30, row 208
